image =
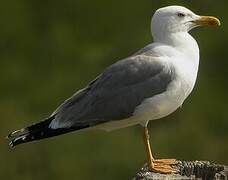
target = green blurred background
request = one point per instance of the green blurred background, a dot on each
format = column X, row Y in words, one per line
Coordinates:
column 49, row 49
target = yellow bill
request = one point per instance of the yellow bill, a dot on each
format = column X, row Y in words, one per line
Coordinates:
column 207, row 21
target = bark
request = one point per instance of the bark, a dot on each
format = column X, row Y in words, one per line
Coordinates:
column 191, row 170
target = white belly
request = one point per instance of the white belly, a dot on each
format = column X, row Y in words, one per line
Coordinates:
column 163, row 104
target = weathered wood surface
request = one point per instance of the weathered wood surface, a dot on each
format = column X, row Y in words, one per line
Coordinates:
column 191, row 170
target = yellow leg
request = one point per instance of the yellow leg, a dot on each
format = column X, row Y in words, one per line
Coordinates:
column 146, row 139
column 159, row 165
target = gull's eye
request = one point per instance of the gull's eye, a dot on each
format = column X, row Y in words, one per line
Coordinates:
column 180, row 14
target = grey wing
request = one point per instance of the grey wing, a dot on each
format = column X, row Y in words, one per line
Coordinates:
column 115, row 94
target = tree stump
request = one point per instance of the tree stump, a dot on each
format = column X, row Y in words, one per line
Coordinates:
column 191, row 170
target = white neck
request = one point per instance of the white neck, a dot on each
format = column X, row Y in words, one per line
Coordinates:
column 181, row 41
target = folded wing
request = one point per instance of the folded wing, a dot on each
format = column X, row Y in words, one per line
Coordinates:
column 115, row 94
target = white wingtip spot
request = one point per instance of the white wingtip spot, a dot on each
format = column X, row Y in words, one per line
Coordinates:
column 56, row 125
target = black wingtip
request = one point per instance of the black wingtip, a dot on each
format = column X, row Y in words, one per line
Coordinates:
column 11, row 145
column 17, row 141
column 17, row 133
column 38, row 131
column 9, row 136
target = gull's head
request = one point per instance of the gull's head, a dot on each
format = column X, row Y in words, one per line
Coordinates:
column 174, row 19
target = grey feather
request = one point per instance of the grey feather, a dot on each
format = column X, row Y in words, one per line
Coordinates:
column 116, row 93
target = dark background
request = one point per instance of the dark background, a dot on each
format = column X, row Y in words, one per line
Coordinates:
column 49, row 49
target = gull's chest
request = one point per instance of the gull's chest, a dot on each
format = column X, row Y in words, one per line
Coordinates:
column 177, row 91
column 185, row 78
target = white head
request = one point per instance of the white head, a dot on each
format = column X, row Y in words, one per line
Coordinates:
column 175, row 19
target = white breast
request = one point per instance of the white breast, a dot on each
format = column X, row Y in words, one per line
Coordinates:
column 178, row 90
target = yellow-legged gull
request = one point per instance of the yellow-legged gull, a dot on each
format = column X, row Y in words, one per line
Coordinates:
column 146, row 86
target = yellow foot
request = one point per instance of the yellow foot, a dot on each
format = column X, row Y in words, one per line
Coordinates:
column 163, row 166
column 165, row 161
